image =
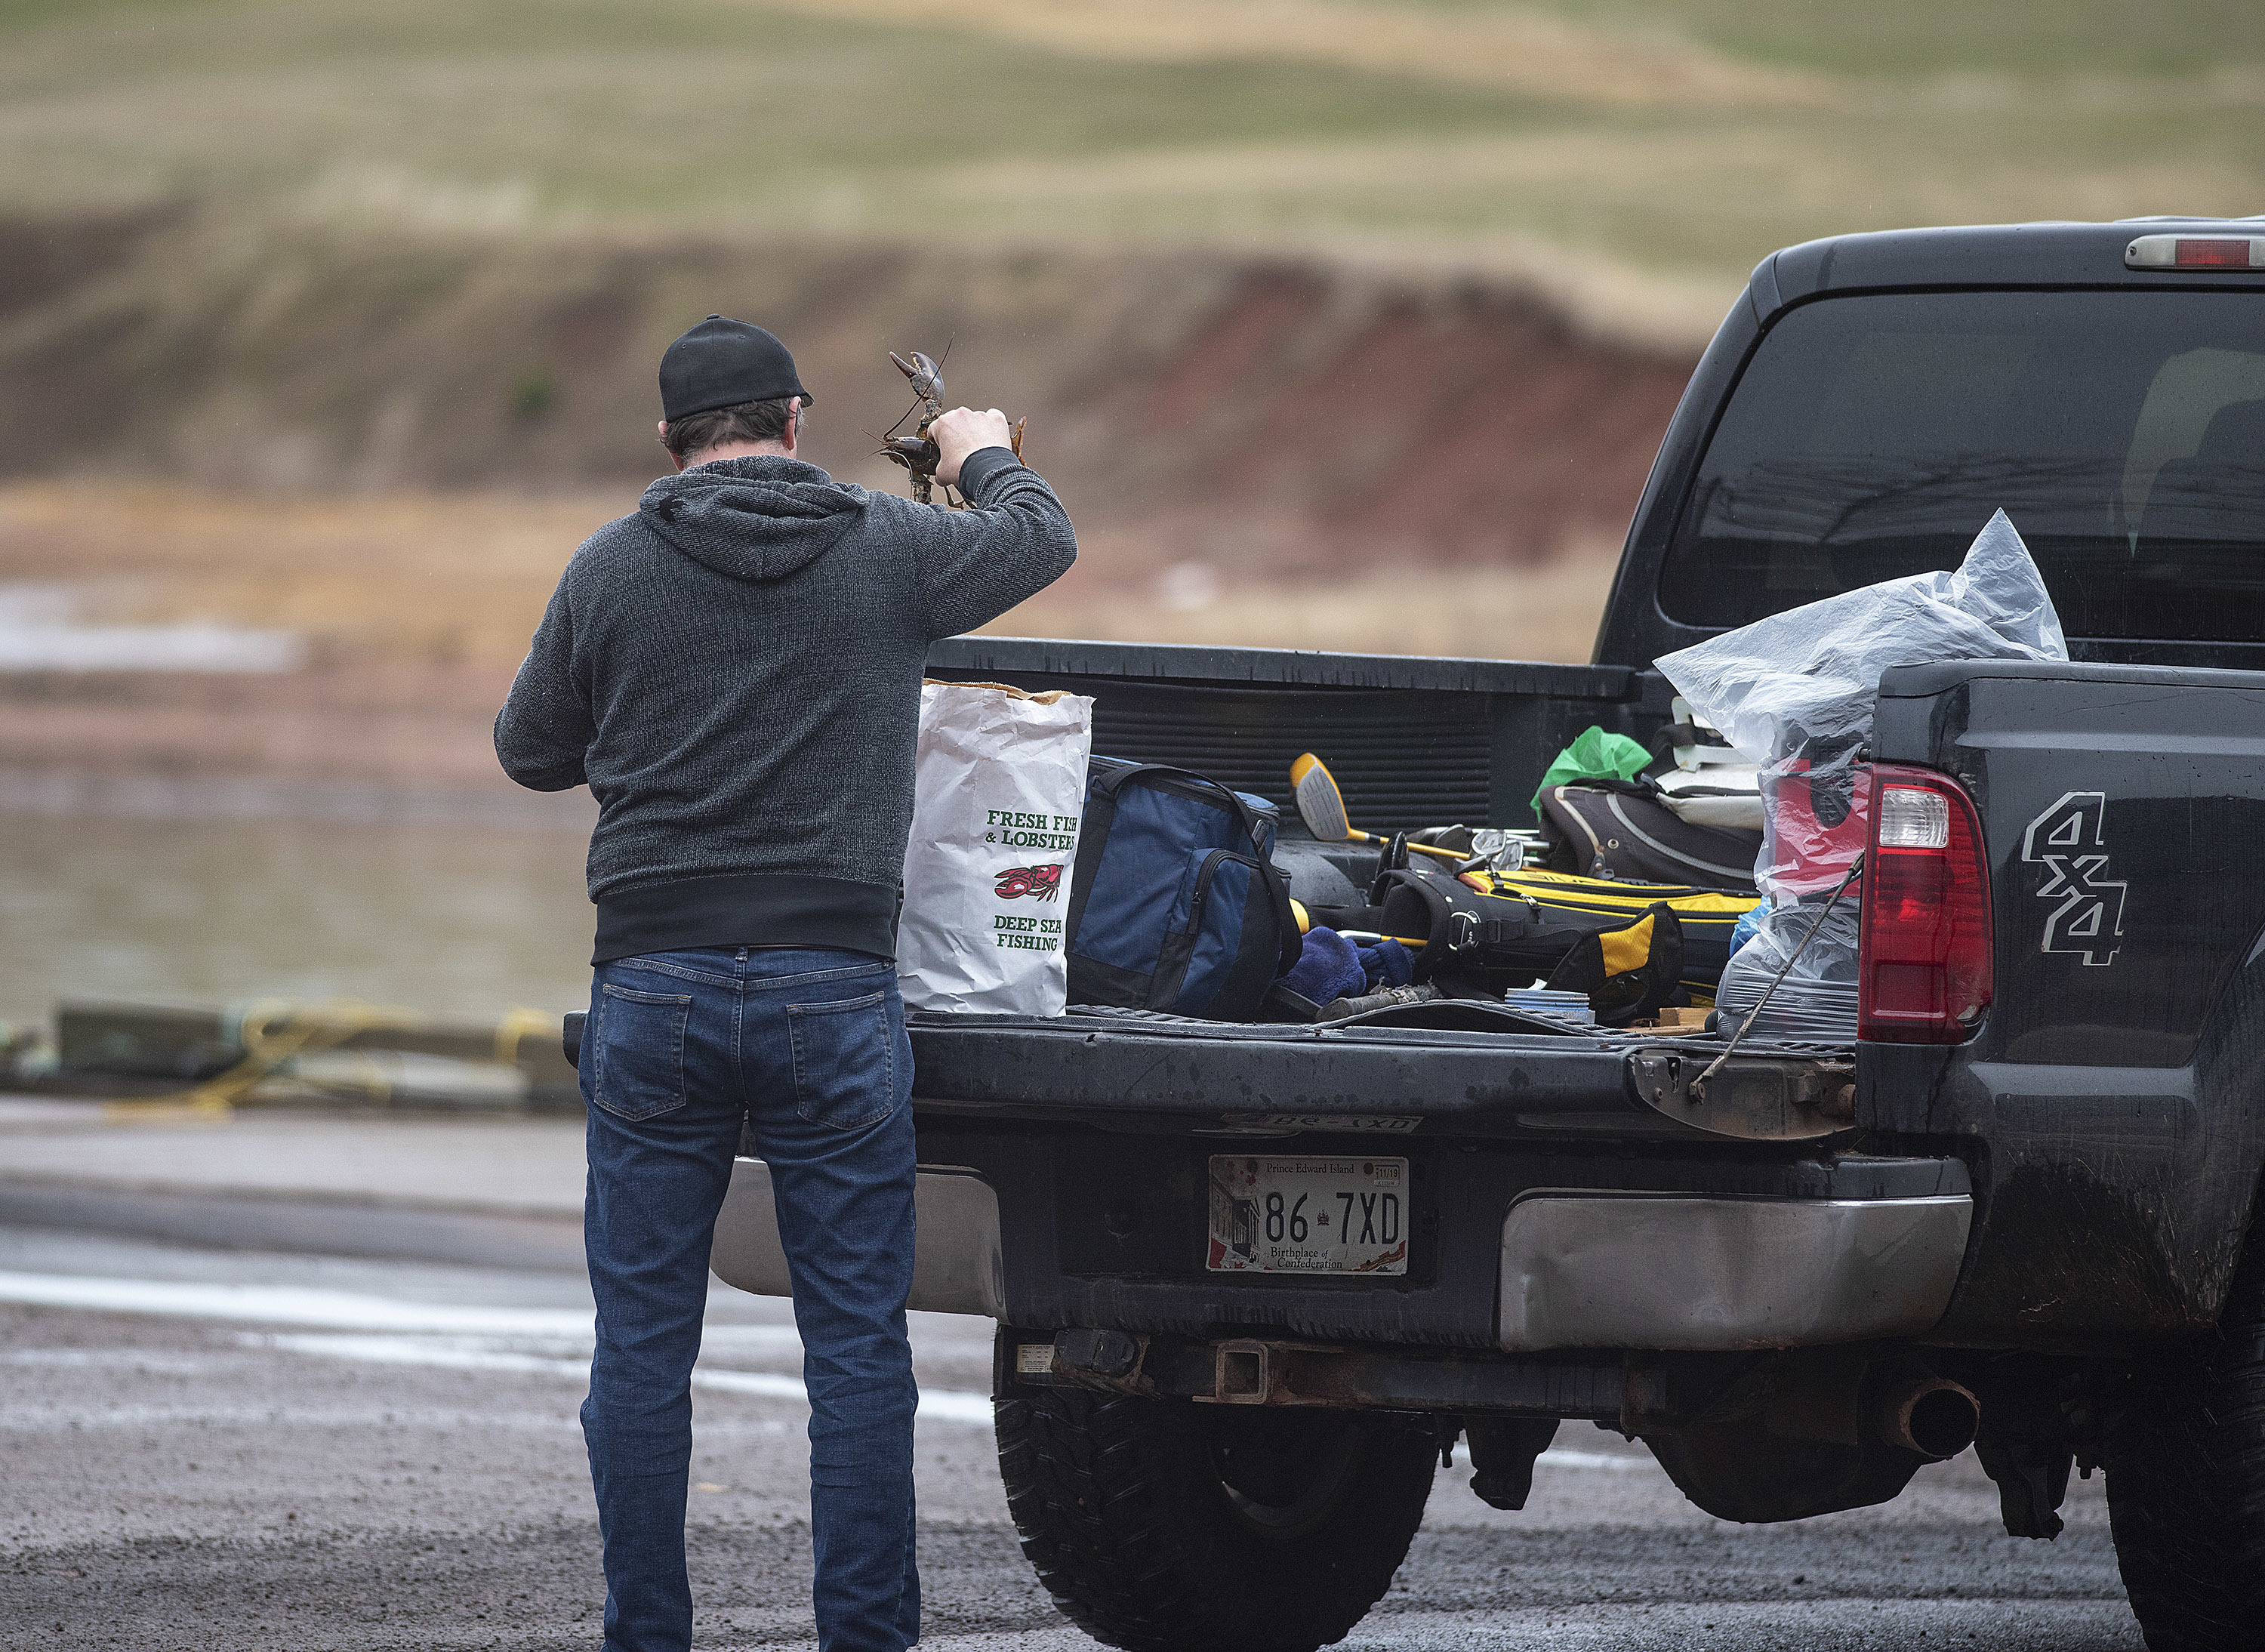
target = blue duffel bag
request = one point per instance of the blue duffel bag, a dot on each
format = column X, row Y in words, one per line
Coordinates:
column 1175, row 902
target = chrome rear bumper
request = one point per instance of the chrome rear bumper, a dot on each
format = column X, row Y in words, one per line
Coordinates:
column 957, row 1263
column 1582, row 1269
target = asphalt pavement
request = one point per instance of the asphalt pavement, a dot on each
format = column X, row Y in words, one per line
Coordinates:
column 214, row 1449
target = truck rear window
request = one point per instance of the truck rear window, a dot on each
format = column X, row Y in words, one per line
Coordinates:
column 1870, row 437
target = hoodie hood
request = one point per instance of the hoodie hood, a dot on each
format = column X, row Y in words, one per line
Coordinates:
column 753, row 519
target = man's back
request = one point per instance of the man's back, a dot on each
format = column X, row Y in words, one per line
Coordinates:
column 735, row 672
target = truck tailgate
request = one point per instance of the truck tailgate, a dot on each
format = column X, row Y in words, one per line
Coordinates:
column 1158, row 1072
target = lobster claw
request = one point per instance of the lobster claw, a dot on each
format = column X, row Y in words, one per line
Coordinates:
column 917, row 453
column 926, row 378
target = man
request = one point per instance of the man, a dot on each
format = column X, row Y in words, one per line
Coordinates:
column 735, row 670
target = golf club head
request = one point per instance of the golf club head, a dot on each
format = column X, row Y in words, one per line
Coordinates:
column 1320, row 805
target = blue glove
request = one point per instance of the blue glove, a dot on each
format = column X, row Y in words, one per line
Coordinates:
column 1328, row 969
column 1387, row 964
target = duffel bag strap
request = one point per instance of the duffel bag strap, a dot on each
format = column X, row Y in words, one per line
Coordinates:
column 1470, row 928
column 1110, row 784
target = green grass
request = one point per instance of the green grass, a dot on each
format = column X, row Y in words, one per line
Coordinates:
column 670, row 106
column 722, row 116
column 1895, row 38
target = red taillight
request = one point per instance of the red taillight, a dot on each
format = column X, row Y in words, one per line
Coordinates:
column 1925, row 972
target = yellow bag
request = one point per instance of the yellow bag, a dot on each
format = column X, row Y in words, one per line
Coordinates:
column 1706, row 915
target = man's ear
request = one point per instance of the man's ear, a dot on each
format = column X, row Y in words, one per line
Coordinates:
column 794, row 427
column 674, row 458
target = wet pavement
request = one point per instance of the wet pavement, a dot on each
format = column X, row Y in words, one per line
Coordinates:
column 256, row 1449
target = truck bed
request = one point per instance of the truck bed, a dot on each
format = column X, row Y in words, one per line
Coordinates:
column 1413, row 742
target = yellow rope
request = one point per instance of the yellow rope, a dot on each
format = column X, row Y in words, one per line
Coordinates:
column 270, row 1033
column 516, row 1024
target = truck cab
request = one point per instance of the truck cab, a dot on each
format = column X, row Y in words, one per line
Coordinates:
column 2027, row 1228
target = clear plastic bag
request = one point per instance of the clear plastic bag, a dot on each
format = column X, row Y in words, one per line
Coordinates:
column 1815, row 670
column 1817, row 998
column 1796, row 693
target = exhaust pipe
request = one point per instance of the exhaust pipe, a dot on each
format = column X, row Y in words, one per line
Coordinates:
column 1931, row 1416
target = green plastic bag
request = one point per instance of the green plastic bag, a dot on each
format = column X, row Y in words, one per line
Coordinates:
column 1593, row 756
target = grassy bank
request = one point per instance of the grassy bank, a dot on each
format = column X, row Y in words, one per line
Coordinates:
column 1665, row 144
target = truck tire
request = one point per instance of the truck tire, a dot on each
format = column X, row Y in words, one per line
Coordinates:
column 2186, row 1483
column 1162, row 1525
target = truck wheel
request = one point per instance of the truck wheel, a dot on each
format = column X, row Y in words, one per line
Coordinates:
column 1162, row 1525
column 2186, row 1484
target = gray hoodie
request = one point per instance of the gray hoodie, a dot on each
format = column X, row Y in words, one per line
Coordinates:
column 734, row 672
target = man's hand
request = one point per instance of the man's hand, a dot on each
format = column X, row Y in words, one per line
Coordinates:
column 963, row 431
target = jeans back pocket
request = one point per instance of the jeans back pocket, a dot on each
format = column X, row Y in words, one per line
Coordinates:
column 640, row 1070
column 845, row 1060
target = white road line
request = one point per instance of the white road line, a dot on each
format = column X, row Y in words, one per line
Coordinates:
column 938, row 1404
column 452, row 1355
column 294, row 1304
column 57, row 1417
column 717, row 1337
column 284, row 1305
column 145, row 1361
column 345, row 1310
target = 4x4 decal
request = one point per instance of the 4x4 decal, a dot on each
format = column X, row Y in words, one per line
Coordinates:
column 2066, row 839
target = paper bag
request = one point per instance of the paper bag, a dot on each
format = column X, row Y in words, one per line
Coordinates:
column 999, row 789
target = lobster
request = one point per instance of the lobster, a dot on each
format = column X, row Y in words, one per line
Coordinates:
column 918, row 453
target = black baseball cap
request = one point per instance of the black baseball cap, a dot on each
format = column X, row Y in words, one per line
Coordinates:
column 721, row 363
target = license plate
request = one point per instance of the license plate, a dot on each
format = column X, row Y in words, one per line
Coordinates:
column 1285, row 1215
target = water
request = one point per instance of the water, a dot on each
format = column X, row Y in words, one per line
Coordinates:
column 39, row 631
column 451, row 917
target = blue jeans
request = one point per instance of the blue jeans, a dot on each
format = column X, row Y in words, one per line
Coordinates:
column 809, row 1047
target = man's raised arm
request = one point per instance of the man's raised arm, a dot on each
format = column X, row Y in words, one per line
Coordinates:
column 1015, row 541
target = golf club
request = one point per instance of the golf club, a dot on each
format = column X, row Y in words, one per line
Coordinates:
column 1320, row 805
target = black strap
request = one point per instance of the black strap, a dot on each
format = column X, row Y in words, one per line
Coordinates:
column 1466, row 931
column 1642, row 786
column 1458, row 926
column 1436, row 906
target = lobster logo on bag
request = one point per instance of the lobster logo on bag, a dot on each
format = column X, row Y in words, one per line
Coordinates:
column 1040, row 883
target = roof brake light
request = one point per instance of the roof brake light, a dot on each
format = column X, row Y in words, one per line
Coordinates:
column 2195, row 252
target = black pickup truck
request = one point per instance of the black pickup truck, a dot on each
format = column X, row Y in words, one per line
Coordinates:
column 2030, row 1231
